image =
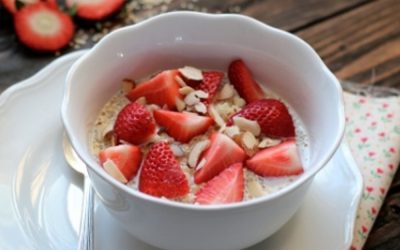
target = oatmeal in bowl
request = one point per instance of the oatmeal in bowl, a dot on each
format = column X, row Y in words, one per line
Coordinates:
column 193, row 132
column 199, row 136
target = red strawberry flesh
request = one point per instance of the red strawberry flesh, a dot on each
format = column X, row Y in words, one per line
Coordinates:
column 161, row 175
column 240, row 77
column 95, row 10
column 134, row 124
column 210, row 84
column 280, row 160
column 227, row 187
column 162, row 89
column 272, row 116
column 221, row 153
column 125, row 157
column 42, row 27
column 182, row 126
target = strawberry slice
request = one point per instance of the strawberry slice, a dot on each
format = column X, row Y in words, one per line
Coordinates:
column 240, row 77
column 221, row 153
column 161, row 174
column 95, row 10
column 42, row 27
column 227, row 187
column 280, row 160
column 182, row 126
column 121, row 161
column 11, row 5
column 162, row 89
column 210, row 84
column 272, row 116
column 134, row 124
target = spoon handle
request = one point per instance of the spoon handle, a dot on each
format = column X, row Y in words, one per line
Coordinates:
column 85, row 241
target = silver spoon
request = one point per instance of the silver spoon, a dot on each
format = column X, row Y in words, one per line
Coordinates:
column 85, row 239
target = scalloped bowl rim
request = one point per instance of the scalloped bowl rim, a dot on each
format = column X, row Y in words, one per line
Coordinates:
column 306, row 176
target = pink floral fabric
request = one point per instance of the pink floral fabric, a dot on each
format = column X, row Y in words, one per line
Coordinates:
column 373, row 134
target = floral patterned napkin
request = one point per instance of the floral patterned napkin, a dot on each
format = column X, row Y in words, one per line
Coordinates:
column 373, row 134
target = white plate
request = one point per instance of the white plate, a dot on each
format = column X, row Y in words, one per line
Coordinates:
column 40, row 196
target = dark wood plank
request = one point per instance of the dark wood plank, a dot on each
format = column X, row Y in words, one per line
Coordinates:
column 362, row 45
column 293, row 14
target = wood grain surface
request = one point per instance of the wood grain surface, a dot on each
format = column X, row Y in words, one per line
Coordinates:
column 358, row 40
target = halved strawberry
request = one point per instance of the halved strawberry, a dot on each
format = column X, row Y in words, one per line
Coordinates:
column 121, row 161
column 162, row 89
column 11, row 5
column 95, row 10
column 161, row 174
column 182, row 126
column 134, row 124
column 221, row 153
column 210, row 84
column 280, row 160
column 43, row 27
column 272, row 116
column 240, row 76
column 227, row 187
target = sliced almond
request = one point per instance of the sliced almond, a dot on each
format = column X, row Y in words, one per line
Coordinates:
column 201, row 164
column 142, row 100
column 226, row 92
column 180, row 81
column 232, row 131
column 247, row 125
column 177, row 150
column 268, row 142
column 180, row 105
column 215, row 115
column 127, row 85
column 200, row 108
column 249, row 140
column 152, row 107
column 255, row 189
column 191, row 99
column 112, row 169
column 238, row 101
column 191, row 73
column 200, row 94
column 186, row 90
column 197, row 149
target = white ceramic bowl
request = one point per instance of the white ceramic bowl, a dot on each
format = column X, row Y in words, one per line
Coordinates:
column 287, row 64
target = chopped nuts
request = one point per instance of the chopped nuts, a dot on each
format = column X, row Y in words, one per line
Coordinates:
column 226, row 92
column 200, row 108
column 191, row 73
column 268, row 142
column 127, row 85
column 215, row 115
column 186, row 90
column 180, row 81
column 249, row 140
column 180, row 105
column 247, row 125
column 194, row 97
column 142, row 100
column 238, row 101
column 177, row 150
column 197, row 149
column 255, row 189
column 232, row 131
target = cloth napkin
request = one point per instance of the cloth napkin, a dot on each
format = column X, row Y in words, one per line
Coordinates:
column 373, row 135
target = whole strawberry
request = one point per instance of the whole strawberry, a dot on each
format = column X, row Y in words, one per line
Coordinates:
column 272, row 116
column 134, row 124
column 161, row 174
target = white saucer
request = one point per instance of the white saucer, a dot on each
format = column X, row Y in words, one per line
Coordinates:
column 40, row 196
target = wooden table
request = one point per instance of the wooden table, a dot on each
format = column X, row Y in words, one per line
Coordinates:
column 358, row 40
